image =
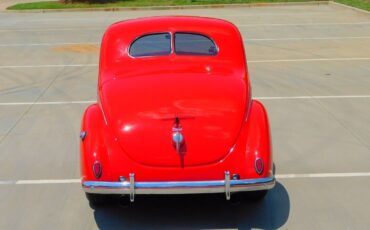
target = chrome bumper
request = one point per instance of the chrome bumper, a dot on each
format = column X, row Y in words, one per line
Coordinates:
column 178, row 187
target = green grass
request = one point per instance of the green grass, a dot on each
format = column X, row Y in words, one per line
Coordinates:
column 363, row 4
column 133, row 3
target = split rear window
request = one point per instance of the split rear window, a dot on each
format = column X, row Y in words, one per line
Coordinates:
column 194, row 44
column 151, row 45
column 159, row 44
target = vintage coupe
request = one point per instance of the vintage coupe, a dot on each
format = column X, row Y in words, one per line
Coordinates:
column 174, row 113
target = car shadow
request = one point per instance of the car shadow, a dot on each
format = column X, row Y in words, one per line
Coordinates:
column 197, row 211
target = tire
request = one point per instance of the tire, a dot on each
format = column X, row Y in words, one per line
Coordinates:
column 258, row 195
column 96, row 200
column 254, row 196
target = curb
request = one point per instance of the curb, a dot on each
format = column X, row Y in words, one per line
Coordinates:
column 183, row 7
column 348, row 7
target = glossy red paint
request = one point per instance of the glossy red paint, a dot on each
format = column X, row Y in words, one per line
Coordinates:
column 130, row 129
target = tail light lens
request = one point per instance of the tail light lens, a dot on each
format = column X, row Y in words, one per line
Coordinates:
column 258, row 165
column 97, row 169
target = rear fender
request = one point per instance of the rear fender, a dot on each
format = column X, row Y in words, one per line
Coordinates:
column 258, row 143
column 93, row 147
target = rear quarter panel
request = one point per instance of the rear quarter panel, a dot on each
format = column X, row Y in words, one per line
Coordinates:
column 93, row 147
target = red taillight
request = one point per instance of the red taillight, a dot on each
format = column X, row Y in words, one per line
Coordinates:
column 97, row 169
column 258, row 165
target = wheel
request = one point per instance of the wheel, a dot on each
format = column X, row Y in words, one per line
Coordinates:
column 96, row 200
column 257, row 195
column 253, row 196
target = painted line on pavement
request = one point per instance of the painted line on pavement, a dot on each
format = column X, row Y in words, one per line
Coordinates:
column 62, row 181
column 312, row 97
column 48, row 44
column 252, row 61
column 305, row 24
column 304, row 39
column 310, row 60
column 245, row 40
column 52, row 29
column 258, row 98
column 322, row 175
column 46, row 66
column 242, row 25
column 47, row 103
column 115, row 19
column 278, row 176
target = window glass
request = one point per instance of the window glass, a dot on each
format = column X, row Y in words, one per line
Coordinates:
column 194, row 44
column 151, row 45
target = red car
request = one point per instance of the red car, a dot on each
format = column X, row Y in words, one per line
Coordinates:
column 174, row 113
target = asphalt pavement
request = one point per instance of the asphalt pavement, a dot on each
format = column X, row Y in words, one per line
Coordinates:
column 309, row 65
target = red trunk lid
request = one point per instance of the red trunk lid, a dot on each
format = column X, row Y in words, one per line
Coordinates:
column 141, row 113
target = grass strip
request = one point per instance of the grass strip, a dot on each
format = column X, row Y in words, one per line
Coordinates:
column 134, row 3
column 362, row 4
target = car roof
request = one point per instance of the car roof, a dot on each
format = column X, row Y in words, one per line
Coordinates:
column 171, row 23
column 114, row 55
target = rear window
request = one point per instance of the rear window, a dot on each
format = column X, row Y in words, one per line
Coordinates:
column 151, row 45
column 194, row 44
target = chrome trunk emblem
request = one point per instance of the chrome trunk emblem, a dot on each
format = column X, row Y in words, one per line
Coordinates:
column 177, row 137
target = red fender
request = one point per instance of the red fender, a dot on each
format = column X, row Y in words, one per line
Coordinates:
column 258, row 141
column 93, row 147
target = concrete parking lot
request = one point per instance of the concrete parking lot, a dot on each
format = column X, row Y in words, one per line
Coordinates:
column 309, row 64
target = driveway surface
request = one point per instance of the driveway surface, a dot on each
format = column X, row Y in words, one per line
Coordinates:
column 309, row 64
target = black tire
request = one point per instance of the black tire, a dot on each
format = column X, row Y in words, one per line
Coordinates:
column 254, row 196
column 96, row 200
column 258, row 195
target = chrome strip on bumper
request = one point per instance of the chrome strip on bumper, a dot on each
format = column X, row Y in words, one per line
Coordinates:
column 178, row 187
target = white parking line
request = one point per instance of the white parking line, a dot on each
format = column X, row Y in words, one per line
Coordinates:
column 303, row 39
column 48, row 44
column 115, row 19
column 52, row 29
column 310, row 60
column 62, row 181
column 47, row 103
column 219, row 14
column 252, row 61
column 245, row 40
column 306, row 24
column 46, row 66
column 258, row 98
column 278, row 176
column 322, row 175
column 242, row 25
column 312, row 97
